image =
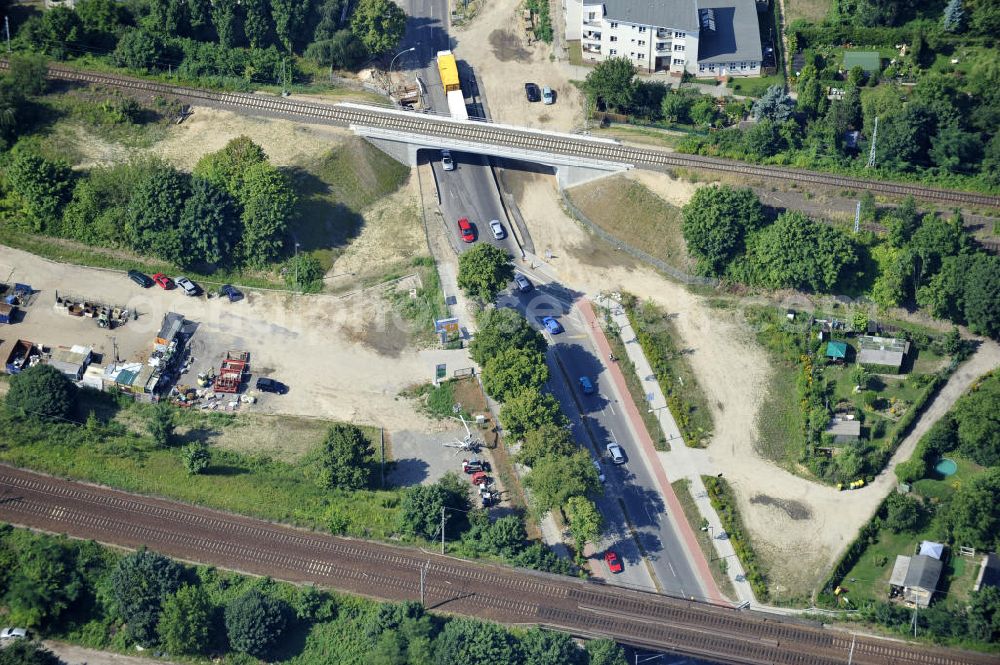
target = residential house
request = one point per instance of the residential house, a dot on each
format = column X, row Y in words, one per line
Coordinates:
column 700, row 37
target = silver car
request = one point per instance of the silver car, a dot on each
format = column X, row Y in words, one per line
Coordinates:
column 548, row 97
column 189, row 287
column 497, row 228
column 447, row 163
column 615, row 453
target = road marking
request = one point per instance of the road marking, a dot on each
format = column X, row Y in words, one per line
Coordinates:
column 613, row 437
column 611, row 406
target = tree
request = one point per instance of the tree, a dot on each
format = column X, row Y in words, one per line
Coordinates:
column 982, row 295
column 775, row 105
column 501, row 329
column 345, row 459
column 763, row 140
column 716, row 221
column 44, row 186
column 796, row 252
column 547, row 440
column 812, row 101
column 504, row 537
column 704, row 112
column 196, row 457
column 255, row 622
column 904, row 138
column 612, row 82
column 676, row 107
column 902, row 513
column 257, row 23
column 379, row 24
column 154, row 212
column 226, row 168
column 209, row 225
column 513, row 370
column 979, row 422
column 289, row 21
column 953, row 19
column 268, row 202
column 46, row 583
column 53, row 32
column 529, row 410
column 23, row 652
column 41, row 391
column 553, row 480
column 984, row 615
column 605, row 652
column 200, row 17
column 226, row 21
column 342, row 50
column 973, row 517
column 484, row 271
column 548, row 647
column 138, row 50
column 585, row 522
column 420, row 509
column 140, row 583
column 28, row 72
column 304, row 272
column 469, row 642
column 955, row 149
column 160, row 424
column 168, row 17
column 185, row 621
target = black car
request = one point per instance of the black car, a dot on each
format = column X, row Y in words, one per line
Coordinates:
column 267, row 385
column 532, row 92
column 140, row 278
column 231, row 292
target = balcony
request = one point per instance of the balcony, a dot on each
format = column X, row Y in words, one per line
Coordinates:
column 663, row 47
column 591, row 35
column 592, row 24
column 591, row 48
column 664, row 34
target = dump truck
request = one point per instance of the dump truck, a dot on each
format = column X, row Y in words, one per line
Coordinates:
column 231, row 373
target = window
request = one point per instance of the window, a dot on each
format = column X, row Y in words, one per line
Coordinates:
column 711, row 68
column 613, row 51
column 701, row 68
column 591, row 16
column 642, row 28
column 613, row 38
column 679, row 35
column 678, row 61
column 642, row 56
column 743, row 65
column 678, row 47
column 642, row 42
column 614, row 25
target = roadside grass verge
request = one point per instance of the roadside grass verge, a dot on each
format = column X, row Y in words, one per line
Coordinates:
column 426, row 306
column 724, row 503
column 682, row 488
column 656, row 334
column 631, row 212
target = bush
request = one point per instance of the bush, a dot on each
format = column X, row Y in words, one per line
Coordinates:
column 345, row 459
column 724, row 503
column 255, row 622
column 41, row 391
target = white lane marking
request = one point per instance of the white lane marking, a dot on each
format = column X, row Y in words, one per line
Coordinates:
column 613, row 437
column 611, row 406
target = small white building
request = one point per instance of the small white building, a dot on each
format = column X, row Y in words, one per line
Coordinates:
column 701, row 37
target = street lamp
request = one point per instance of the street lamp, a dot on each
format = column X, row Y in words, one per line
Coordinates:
column 392, row 88
column 297, row 285
column 710, row 529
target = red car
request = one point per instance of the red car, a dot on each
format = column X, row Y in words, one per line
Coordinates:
column 614, row 563
column 164, row 281
column 465, row 228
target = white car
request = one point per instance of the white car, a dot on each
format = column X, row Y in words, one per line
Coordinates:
column 13, row 634
column 189, row 287
column 548, row 97
column 615, row 453
column 447, row 163
column 522, row 282
column 600, row 471
column 497, row 228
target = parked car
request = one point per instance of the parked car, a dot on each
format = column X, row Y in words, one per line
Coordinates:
column 586, row 385
column 189, row 287
column 548, row 97
column 613, row 561
column 552, row 325
column 13, row 634
column 466, row 229
column 600, row 471
column 140, row 278
column 497, row 228
column 616, row 453
column 231, row 292
column 163, row 281
column 447, row 163
column 522, row 283
column 475, row 465
column 532, row 92
column 267, row 385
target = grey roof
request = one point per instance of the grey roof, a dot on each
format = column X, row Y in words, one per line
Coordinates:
column 843, row 429
column 989, row 572
column 923, row 573
column 880, row 357
column 679, row 14
column 930, row 548
column 898, row 576
column 736, row 37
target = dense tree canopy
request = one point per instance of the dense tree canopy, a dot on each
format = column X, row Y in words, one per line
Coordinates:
column 345, row 459
column 41, row 391
column 972, row 518
column 513, row 370
column 501, row 329
column 154, row 216
column 420, row 512
column 208, row 225
column 546, row 647
column 484, row 271
column 23, row 652
column 44, row 185
column 547, row 440
column 255, row 622
column 553, row 480
column 470, row 642
column 140, row 583
column 185, row 620
column 530, row 410
column 612, row 83
column 379, row 24
column 978, row 422
column 46, row 586
column 716, row 221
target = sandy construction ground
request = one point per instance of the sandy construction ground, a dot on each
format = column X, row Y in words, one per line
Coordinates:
column 496, row 46
column 798, row 526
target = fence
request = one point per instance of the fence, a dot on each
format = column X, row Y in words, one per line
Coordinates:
column 637, row 253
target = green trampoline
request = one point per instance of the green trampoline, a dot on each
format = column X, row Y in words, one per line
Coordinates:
column 946, row 467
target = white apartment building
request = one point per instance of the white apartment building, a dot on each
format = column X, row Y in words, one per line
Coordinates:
column 702, row 37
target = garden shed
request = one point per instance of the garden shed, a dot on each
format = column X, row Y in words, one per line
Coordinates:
column 836, row 351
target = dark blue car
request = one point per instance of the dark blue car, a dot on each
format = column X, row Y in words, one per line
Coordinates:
column 231, row 292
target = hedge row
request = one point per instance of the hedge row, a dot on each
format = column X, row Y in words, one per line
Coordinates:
column 724, row 504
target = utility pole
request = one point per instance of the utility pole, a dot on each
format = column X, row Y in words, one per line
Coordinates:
column 871, row 153
column 857, row 218
column 443, row 508
column 423, row 579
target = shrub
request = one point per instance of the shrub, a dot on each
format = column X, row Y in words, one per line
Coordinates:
column 41, row 391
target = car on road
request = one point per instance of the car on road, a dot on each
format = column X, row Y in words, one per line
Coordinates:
column 189, row 287
column 447, row 163
column 586, row 385
column 523, row 283
column 231, row 292
column 163, row 281
column 267, row 385
column 13, row 634
column 616, row 453
column 614, row 562
column 497, row 228
column 140, row 278
column 466, row 229
column 532, row 92
column 552, row 324
column 548, row 97
column 600, row 471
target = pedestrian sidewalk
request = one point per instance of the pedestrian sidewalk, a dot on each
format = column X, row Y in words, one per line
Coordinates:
column 680, row 461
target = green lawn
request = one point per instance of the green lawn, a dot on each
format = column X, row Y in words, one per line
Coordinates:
column 755, row 87
column 869, row 578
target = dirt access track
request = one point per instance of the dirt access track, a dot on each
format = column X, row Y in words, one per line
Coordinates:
column 324, row 347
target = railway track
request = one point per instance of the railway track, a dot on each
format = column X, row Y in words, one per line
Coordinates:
column 456, row 586
column 420, row 125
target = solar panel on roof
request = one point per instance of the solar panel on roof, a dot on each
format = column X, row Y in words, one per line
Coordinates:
column 708, row 19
